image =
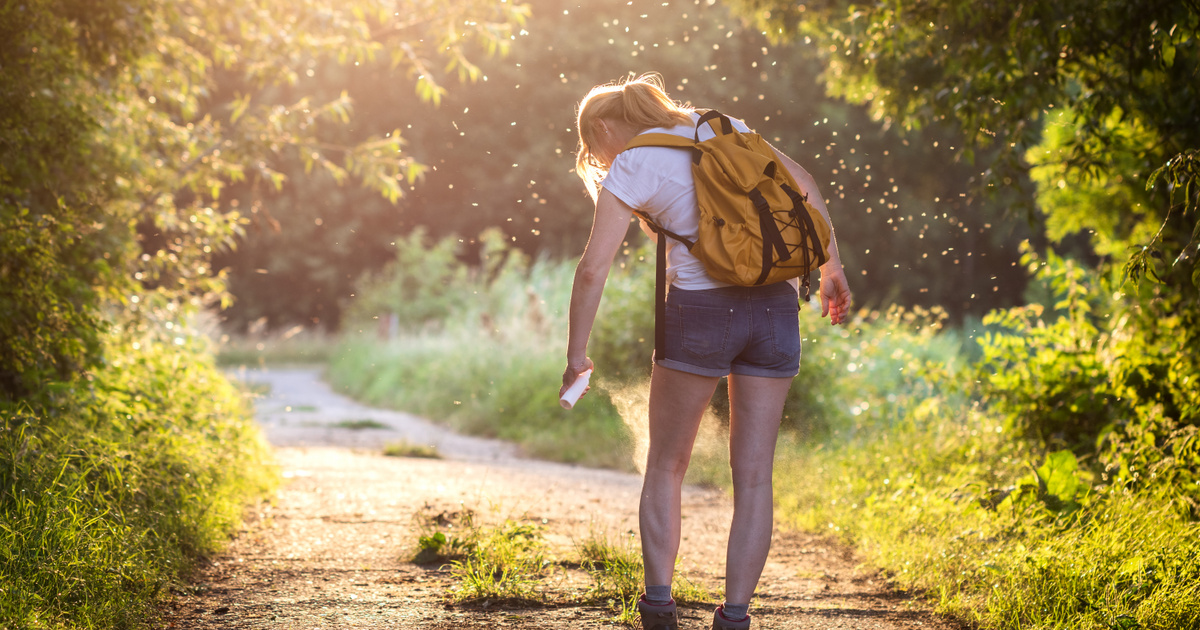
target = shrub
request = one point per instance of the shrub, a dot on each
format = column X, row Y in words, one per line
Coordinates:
column 111, row 485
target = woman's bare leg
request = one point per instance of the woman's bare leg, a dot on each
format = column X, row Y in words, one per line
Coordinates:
column 756, row 407
column 677, row 403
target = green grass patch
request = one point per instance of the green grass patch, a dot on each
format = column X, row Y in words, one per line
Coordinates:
column 404, row 448
column 511, row 562
column 112, row 485
column 618, row 577
column 505, row 564
column 295, row 346
column 999, row 536
column 361, row 424
column 493, row 370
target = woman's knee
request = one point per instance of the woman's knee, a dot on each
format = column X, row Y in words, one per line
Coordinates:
column 673, row 464
column 751, row 473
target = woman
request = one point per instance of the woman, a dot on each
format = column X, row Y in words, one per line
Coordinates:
column 734, row 331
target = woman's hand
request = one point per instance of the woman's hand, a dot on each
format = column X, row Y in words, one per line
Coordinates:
column 835, row 294
column 574, row 369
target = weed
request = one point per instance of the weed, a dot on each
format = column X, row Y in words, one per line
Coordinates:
column 618, row 577
column 444, row 536
column 505, row 564
column 617, row 574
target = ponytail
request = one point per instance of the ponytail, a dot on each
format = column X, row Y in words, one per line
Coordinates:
column 642, row 103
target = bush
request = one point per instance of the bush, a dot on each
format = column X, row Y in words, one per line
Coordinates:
column 1112, row 379
column 111, row 485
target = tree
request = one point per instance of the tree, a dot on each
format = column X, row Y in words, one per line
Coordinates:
column 125, row 122
column 1111, row 85
column 56, row 255
column 500, row 153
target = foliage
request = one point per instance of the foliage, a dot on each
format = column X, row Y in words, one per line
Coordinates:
column 1104, row 376
column 55, row 247
column 421, row 285
column 998, row 534
column 1128, row 110
column 111, row 487
column 118, row 153
column 1181, row 172
column 1051, row 379
column 961, row 486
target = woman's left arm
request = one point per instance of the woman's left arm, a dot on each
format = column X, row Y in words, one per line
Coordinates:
column 609, row 227
column 835, row 290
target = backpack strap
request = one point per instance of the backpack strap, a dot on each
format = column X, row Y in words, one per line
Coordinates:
column 665, row 140
column 660, row 297
column 710, row 116
column 660, row 280
column 660, row 272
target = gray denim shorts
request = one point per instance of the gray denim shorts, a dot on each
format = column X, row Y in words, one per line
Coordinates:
column 754, row 331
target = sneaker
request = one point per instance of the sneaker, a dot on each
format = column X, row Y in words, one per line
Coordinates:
column 657, row 617
column 721, row 623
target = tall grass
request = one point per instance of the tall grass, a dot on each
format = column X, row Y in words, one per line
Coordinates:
column 949, row 504
column 492, row 367
column 112, row 485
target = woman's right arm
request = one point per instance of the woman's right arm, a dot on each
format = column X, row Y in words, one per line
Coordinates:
column 608, row 232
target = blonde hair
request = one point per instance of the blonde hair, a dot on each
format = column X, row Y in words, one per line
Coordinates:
column 642, row 103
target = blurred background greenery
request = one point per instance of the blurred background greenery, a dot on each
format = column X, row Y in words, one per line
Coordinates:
column 1009, row 424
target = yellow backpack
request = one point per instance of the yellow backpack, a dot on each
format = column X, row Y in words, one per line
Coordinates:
column 755, row 227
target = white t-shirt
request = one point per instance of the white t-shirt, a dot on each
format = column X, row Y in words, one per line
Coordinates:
column 658, row 181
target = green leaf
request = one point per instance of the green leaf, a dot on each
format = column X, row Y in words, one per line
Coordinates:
column 238, row 107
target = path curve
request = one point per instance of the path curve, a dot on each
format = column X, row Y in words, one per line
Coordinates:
column 331, row 549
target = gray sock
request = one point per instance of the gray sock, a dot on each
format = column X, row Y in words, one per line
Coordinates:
column 658, row 594
column 735, row 612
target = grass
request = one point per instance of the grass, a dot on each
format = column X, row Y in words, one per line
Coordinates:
column 618, row 576
column 111, row 487
column 361, row 424
column 511, row 562
column 920, row 502
column 404, row 448
column 295, row 346
column 504, row 379
column 505, row 563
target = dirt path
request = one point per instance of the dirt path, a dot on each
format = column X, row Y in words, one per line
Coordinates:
column 332, row 549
